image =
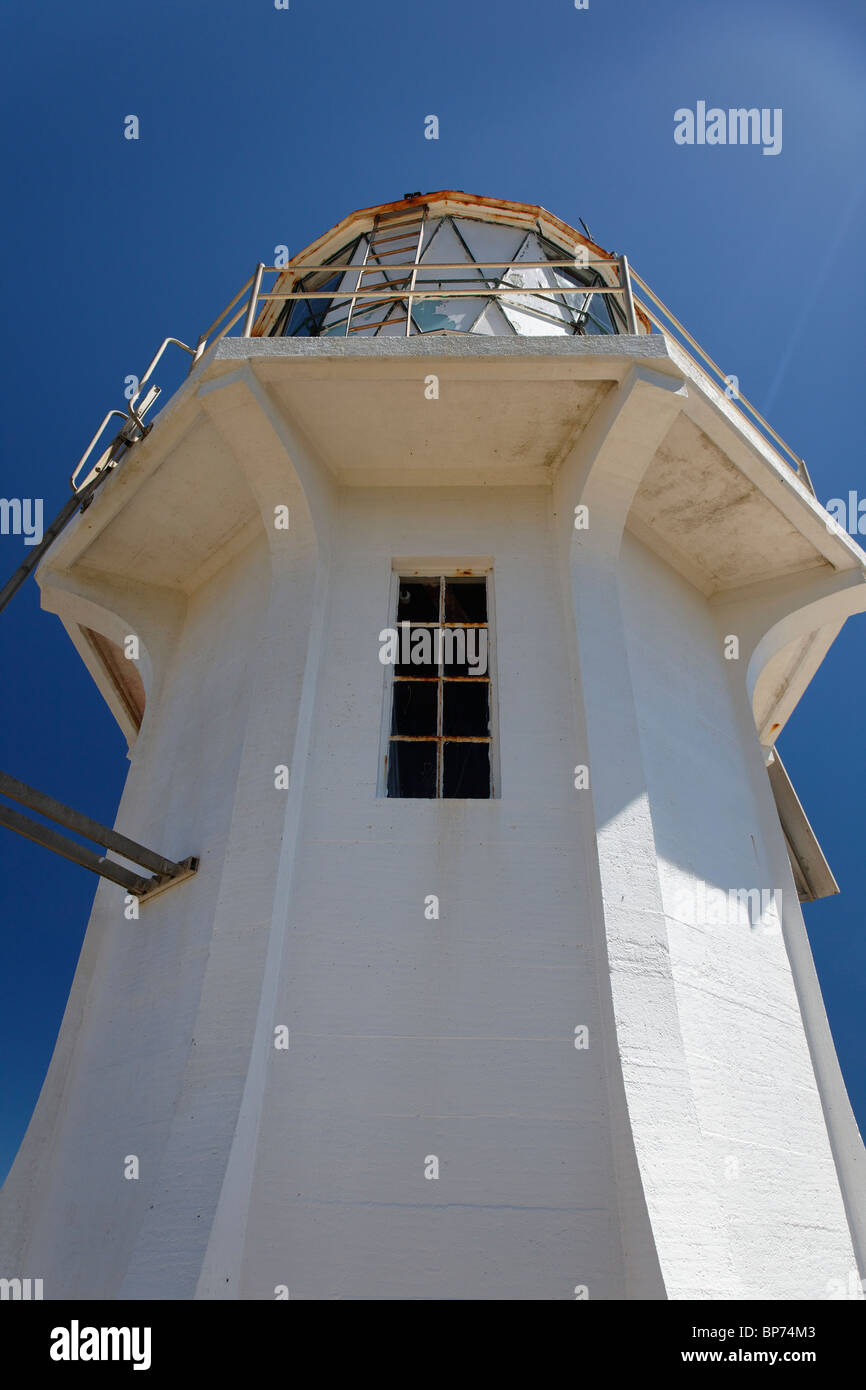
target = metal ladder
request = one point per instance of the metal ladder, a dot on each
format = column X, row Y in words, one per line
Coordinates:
column 393, row 237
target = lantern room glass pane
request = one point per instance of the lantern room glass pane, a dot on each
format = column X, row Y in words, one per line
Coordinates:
column 597, row 317
column 460, row 244
column 434, row 315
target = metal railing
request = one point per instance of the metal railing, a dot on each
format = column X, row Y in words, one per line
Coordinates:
column 669, row 326
column 398, row 291
column 655, row 314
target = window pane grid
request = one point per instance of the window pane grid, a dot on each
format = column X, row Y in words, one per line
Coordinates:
column 453, row 778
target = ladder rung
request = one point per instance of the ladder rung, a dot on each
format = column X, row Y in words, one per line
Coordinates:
column 384, row 240
column 371, row 306
column 389, row 265
column 383, row 252
column 384, row 283
column 381, row 266
column 394, row 253
column 370, row 266
column 394, row 219
column 404, row 220
column 363, row 326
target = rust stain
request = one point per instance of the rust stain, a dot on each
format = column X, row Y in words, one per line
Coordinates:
column 123, row 674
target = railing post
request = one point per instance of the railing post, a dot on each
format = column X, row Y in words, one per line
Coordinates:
column 625, row 277
column 199, row 349
column 803, row 474
column 254, row 295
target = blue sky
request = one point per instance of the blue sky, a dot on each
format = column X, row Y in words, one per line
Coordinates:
column 261, row 127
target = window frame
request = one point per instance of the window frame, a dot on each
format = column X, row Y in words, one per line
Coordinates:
column 441, row 569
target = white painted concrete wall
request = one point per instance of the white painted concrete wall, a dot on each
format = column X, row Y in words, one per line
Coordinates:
column 749, row 1067
column 455, row 1037
column 128, row 1035
column 411, row 1037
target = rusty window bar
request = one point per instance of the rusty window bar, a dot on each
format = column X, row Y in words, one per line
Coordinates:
column 440, row 680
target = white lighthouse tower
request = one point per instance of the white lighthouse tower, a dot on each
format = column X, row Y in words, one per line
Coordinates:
column 452, row 608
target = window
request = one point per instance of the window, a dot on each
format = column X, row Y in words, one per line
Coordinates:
column 439, row 735
column 303, row 318
column 575, row 310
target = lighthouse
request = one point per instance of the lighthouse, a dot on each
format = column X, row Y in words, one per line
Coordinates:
column 452, row 608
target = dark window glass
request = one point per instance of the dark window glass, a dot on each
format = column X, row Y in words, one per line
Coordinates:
column 303, row 319
column 296, row 320
column 305, row 316
column 465, row 651
column 418, row 601
column 597, row 319
column 465, row 601
column 601, row 314
column 419, row 642
column 335, row 329
column 467, row 770
column 466, row 708
column 414, row 708
column 411, row 769
column 576, row 300
column 344, row 255
column 617, row 313
column 439, row 745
